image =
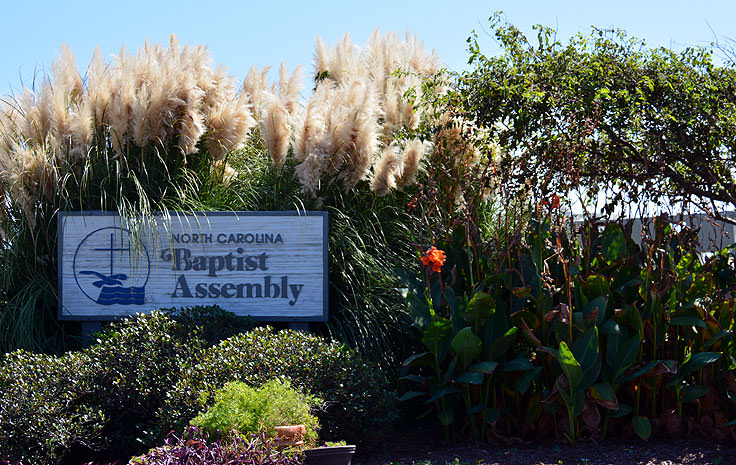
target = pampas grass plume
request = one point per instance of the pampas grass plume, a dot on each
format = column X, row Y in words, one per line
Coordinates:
column 312, row 124
column 385, row 172
column 411, row 159
column 310, row 171
column 275, row 129
column 229, row 124
column 290, row 87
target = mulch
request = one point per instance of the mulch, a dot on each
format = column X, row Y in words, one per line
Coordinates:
column 690, row 452
column 421, row 446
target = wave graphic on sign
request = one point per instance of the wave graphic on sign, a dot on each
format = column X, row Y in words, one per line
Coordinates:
column 112, row 290
column 122, row 295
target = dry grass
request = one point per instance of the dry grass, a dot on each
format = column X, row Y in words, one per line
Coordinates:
column 171, row 102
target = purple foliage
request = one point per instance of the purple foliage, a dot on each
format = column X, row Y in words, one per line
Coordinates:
column 194, row 448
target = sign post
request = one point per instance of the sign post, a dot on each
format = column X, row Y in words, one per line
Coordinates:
column 271, row 266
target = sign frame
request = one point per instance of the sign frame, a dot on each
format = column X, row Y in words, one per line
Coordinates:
column 63, row 314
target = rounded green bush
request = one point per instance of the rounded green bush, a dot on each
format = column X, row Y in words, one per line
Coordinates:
column 356, row 395
column 247, row 410
column 150, row 374
column 96, row 403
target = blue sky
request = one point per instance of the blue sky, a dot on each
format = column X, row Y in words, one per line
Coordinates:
column 240, row 34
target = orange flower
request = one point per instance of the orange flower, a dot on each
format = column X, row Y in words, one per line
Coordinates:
column 434, row 258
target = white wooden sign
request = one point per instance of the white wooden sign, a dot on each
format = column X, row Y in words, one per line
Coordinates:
column 269, row 265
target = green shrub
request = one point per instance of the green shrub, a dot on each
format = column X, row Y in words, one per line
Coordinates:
column 145, row 375
column 134, row 364
column 210, row 323
column 100, row 402
column 41, row 418
column 356, row 394
column 239, row 407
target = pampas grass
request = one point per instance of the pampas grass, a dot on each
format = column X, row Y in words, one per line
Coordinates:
column 149, row 112
column 169, row 103
column 275, row 128
column 359, row 105
column 411, row 159
column 162, row 128
column 386, row 170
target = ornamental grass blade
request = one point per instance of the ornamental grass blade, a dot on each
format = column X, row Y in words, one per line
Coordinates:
column 414, row 358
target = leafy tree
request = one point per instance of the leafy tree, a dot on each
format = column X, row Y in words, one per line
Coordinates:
column 606, row 113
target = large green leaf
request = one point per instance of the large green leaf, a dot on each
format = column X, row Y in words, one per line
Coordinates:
column 447, row 417
column 524, row 382
column 446, row 391
column 411, row 395
column 591, row 375
column 613, row 243
column 570, row 366
column 437, row 335
column 599, row 304
column 626, row 356
column 466, row 345
column 610, row 327
column 491, row 415
column 586, row 348
column 450, row 372
column 604, row 395
column 419, row 310
column 501, row 345
column 696, row 362
column 596, row 286
column 435, row 293
column 476, row 409
column 724, row 333
column 662, row 367
column 479, row 308
column 519, row 363
column 688, row 320
column 636, row 373
column 642, row 427
column 690, row 393
column 623, row 411
column 416, row 299
column 486, row 367
column 415, row 378
column 470, row 377
column 414, row 358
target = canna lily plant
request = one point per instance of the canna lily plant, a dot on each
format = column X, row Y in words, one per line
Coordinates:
column 577, row 335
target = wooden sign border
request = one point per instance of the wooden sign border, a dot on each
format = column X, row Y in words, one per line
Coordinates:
column 92, row 318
